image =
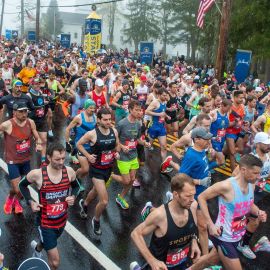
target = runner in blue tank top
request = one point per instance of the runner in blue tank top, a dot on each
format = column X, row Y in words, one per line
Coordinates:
column 83, row 122
column 235, row 197
column 157, row 129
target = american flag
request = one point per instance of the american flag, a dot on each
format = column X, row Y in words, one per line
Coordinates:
column 205, row 5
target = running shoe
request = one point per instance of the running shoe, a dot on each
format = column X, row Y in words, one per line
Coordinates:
column 237, row 157
column 136, row 183
column 83, row 212
column 121, row 202
column 74, row 160
column 96, row 227
column 168, row 170
column 262, row 245
column 169, row 196
column 213, row 267
column 36, row 253
column 166, row 163
column 8, row 205
column 134, row 266
column 50, row 133
column 17, row 206
column 146, row 210
column 108, row 183
column 246, row 251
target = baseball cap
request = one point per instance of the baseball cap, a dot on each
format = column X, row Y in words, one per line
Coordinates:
column 201, row 132
column 17, row 83
column 188, row 78
column 99, row 82
column 34, row 81
column 89, row 102
column 20, row 106
column 262, row 137
column 258, row 89
column 116, row 66
column 125, row 82
column 143, row 78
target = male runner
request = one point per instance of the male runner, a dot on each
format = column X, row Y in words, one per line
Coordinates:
column 263, row 122
column 103, row 142
column 194, row 100
column 19, row 132
column 174, row 233
column 129, row 131
column 235, row 202
column 53, row 183
column 157, row 109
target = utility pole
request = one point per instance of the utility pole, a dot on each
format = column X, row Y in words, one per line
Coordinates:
column 2, row 17
column 37, row 21
column 223, row 38
column 22, row 18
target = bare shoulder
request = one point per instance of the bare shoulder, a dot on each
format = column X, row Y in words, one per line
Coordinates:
column 71, row 173
column 34, row 175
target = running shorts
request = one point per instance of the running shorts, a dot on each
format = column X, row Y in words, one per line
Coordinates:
column 126, row 166
column 156, row 131
column 18, row 170
column 101, row 174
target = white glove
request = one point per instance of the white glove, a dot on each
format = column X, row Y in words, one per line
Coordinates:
column 206, row 181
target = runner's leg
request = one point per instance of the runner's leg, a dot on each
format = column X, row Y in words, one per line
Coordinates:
column 53, row 258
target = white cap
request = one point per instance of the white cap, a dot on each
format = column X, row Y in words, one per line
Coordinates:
column 188, row 78
column 258, row 89
column 262, row 137
column 99, row 82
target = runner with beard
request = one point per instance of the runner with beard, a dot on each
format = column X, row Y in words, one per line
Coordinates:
column 57, row 189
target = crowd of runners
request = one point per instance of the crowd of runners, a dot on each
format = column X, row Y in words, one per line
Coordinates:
column 114, row 108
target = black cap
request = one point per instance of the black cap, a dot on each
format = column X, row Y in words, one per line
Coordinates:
column 20, row 106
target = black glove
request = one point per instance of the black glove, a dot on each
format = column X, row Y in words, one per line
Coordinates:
column 68, row 147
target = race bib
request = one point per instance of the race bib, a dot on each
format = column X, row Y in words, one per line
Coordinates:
column 142, row 97
column 239, row 225
column 125, row 104
column 177, row 256
column 40, row 112
column 107, row 157
column 23, row 146
column 220, row 134
column 161, row 119
column 56, row 210
column 131, row 144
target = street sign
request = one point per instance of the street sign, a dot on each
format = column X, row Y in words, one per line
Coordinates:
column 65, row 40
column 8, row 34
column 15, row 34
column 31, row 35
column 147, row 52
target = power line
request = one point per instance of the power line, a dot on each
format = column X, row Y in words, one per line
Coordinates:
column 81, row 5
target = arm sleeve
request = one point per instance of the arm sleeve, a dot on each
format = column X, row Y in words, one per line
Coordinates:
column 75, row 185
column 23, row 186
column 30, row 104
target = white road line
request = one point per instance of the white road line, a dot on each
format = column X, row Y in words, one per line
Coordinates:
column 84, row 242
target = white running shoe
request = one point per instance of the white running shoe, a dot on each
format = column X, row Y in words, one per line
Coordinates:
column 262, row 244
column 36, row 254
column 246, row 251
column 134, row 266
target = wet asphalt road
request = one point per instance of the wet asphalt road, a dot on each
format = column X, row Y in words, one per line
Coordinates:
column 116, row 224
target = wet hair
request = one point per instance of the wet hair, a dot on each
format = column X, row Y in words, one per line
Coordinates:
column 226, row 102
column 84, row 70
column 203, row 100
column 250, row 161
column 103, row 111
column 201, row 117
column 250, row 98
column 156, row 85
column 249, row 89
column 171, row 84
column 134, row 103
column 162, row 90
column 179, row 180
column 55, row 146
column 237, row 93
column 27, row 61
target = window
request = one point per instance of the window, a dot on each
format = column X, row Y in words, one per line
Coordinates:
column 75, row 35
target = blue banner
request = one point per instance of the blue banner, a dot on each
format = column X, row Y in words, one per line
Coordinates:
column 31, row 36
column 65, row 40
column 15, row 34
column 242, row 65
column 8, row 34
column 146, row 52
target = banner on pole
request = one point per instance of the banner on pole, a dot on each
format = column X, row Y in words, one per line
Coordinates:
column 8, row 34
column 92, row 33
column 242, row 64
column 146, row 52
column 31, row 35
column 65, row 40
column 15, row 34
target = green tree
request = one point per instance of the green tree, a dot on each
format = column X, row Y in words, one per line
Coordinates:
column 52, row 24
column 142, row 22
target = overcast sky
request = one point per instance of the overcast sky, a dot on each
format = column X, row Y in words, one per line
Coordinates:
column 11, row 21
